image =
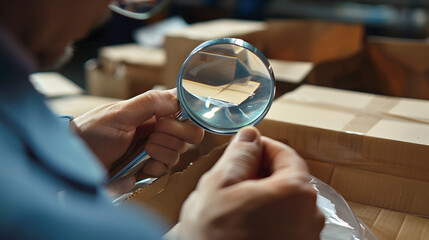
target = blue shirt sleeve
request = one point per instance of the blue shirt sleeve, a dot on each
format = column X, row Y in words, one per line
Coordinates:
column 37, row 204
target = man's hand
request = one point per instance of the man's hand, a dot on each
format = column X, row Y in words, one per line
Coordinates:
column 259, row 189
column 111, row 129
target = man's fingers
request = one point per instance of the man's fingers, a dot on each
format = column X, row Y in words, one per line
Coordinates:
column 241, row 159
column 187, row 130
column 282, row 158
column 167, row 141
column 152, row 103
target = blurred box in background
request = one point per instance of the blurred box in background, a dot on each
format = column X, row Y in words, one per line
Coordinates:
column 289, row 74
column 53, row 84
column 124, row 71
column 63, row 96
column 320, row 53
column 399, row 67
column 78, row 104
column 334, row 49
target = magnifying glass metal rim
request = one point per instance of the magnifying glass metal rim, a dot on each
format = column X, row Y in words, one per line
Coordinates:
column 186, row 113
column 140, row 16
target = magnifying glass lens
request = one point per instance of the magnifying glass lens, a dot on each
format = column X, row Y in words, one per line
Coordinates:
column 226, row 85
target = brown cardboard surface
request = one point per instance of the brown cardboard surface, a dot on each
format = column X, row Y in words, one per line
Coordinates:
column 375, row 189
column 382, row 190
column 335, row 50
column 321, row 170
column 312, row 41
column 391, row 225
column 416, row 227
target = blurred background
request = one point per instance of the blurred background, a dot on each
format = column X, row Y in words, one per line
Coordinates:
column 373, row 46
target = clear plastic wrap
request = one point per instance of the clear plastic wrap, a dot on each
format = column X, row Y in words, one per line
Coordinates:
column 340, row 222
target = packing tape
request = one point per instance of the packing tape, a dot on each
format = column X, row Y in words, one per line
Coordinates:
column 371, row 114
column 366, row 118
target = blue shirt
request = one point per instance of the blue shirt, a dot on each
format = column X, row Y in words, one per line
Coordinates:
column 51, row 186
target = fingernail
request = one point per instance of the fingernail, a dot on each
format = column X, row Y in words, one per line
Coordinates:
column 247, row 135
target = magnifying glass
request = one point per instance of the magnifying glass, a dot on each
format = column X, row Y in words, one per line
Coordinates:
column 224, row 85
column 138, row 9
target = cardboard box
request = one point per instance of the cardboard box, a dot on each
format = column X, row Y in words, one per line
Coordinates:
column 372, row 149
column 99, row 83
column 53, row 84
column 178, row 45
column 335, row 50
column 399, row 67
column 312, row 41
column 124, row 71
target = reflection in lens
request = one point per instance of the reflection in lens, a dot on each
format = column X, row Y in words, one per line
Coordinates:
column 226, row 87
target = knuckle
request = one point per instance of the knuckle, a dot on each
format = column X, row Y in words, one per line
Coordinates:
column 150, row 97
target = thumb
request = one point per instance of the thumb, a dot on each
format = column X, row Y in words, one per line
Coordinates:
column 152, row 103
column 241, row 160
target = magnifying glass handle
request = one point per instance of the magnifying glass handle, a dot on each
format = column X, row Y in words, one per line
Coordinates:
column 132, row 167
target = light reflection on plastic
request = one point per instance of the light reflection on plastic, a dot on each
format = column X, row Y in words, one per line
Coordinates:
column 208, row 103
column 211, row 114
